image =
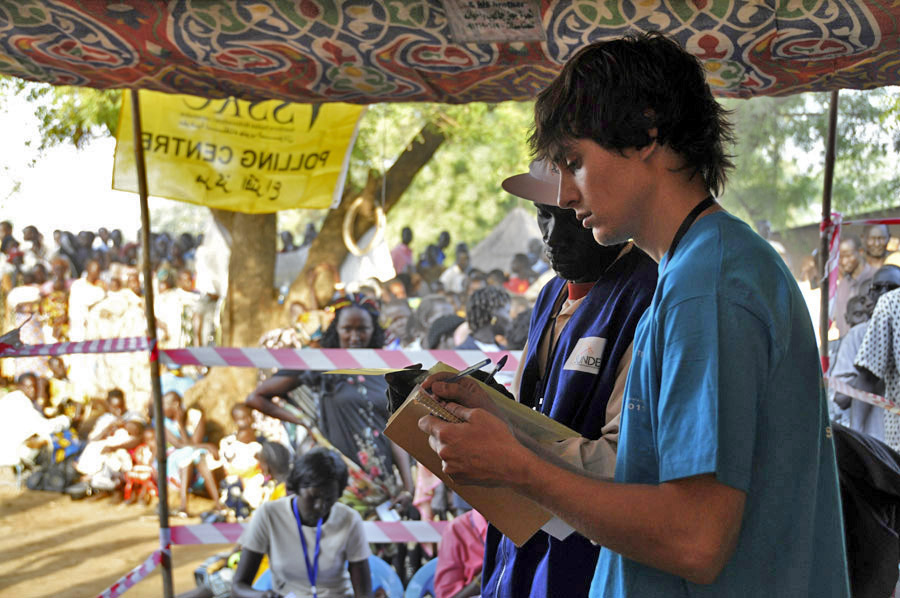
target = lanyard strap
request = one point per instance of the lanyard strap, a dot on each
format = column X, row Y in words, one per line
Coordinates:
column 312, row 569
column 687, row 222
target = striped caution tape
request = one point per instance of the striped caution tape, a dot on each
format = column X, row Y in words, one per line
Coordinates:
column 110, row 345
column 296, row 359
column 384, row 532
column 377, row 532
column 133, row 576
column 327, row 359
column 866, row 397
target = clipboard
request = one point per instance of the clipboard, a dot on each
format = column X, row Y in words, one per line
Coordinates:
column 515, row 515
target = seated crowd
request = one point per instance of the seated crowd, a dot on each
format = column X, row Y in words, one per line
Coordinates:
column 304, row 447
column 83, row 424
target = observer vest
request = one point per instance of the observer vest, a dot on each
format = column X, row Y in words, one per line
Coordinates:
column 580, row 375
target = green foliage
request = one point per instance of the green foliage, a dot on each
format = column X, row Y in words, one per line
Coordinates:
column 767, row 182
column 68, row 114
column 780, row 155
column 459, row 189
column 890, row 118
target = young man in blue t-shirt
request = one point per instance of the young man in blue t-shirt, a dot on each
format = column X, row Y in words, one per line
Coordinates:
column 726, row 483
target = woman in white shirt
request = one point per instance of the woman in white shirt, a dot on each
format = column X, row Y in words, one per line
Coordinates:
column 329, row 559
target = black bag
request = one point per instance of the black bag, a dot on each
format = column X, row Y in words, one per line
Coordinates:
column 55, row 477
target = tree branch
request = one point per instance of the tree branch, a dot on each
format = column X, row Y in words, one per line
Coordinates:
column 328, row 247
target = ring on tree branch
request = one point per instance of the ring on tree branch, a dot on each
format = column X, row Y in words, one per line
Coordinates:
column 347, row 228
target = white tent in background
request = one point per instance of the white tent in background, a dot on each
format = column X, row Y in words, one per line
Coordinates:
column 507, row 239
column 354, row 269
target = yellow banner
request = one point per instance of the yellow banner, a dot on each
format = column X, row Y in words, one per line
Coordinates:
column 253, row 157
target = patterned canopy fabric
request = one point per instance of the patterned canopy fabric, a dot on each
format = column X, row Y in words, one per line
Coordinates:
column 455, row 51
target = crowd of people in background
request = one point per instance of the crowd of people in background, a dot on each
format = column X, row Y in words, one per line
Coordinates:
column 88, row 286
column 83, row 423
column 863, row 351
column 658, row 327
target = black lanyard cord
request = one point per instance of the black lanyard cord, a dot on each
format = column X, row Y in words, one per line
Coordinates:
column 709, row 201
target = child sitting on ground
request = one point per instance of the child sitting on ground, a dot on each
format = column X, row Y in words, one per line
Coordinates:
column 142, row 474
column 188, row 454
column 59, row 386
column 275, row 464
column 105, row 460
column 241, row 490
column 108, row 422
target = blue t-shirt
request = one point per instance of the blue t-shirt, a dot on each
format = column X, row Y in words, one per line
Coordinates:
column 725, row 379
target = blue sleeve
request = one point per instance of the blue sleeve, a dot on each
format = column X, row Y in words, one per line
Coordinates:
column 713, row 375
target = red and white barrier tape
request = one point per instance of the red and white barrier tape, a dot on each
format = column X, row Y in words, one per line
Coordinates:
column 296, row 359
column 377, row 532
column 110, row 345
column 133, row 576
column 866, row 397
column 832, row 228
column 888, row 221
column 384, row 532
column 327, row 359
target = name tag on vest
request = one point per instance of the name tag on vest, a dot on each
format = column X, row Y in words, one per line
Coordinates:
column 587, row 355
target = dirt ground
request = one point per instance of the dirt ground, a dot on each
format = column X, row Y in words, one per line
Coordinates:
column 54, row 547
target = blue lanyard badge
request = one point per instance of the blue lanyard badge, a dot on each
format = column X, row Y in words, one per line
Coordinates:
column 312, row 569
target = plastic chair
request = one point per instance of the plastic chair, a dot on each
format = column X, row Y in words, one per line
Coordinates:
column 423, row 581
column 264, row 581
column 384, row 576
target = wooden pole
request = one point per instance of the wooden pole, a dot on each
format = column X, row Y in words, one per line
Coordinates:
column 156, row 388
column 826, row 217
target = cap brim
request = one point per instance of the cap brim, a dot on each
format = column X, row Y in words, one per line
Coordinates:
column 530, row 188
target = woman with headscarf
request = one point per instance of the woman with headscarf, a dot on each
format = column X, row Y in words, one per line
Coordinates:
column 352, row 410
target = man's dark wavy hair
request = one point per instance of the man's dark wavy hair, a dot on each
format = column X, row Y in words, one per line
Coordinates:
column 614, row 92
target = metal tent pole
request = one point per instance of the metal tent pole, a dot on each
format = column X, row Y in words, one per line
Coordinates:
column 156, row 388
column 826, row 217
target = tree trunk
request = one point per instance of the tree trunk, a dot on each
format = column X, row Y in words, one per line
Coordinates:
column 251, row 301
column 250, row 309
column 328, row 248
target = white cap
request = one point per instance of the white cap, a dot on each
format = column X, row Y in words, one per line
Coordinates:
column 540, row 184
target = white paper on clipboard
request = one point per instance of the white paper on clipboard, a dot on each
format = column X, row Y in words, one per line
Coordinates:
column 558, row 528
column 386, row 513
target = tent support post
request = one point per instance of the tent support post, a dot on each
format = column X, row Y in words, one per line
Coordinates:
column 156, row 388
column 826, row 217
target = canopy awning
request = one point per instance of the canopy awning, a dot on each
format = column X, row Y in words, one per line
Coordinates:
column 367, row 51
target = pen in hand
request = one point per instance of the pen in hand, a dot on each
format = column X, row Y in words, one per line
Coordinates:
column 468, row 370
column 498, row 367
